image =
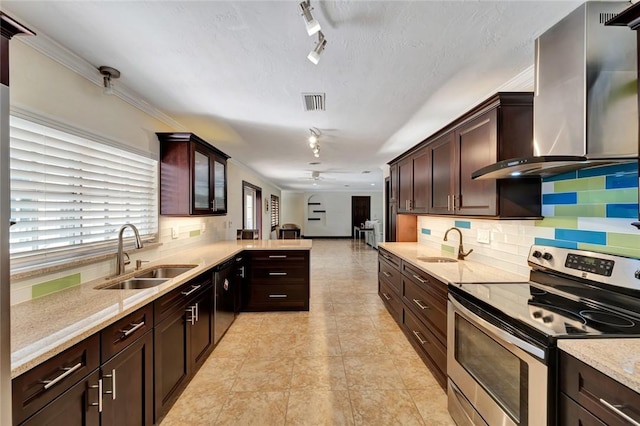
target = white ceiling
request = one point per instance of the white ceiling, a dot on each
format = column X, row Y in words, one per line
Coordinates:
column 233, row 72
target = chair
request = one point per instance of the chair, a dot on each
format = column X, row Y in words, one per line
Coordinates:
column 289, row 231
column 247, row 234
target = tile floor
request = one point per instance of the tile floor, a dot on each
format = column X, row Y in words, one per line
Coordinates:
column 345, row 362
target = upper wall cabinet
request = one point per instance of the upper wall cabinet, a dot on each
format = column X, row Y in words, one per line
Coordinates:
column 499, row 128
column 193, row 176
column 413, row 191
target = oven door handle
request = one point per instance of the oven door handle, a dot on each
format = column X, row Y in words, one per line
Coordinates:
column 497, row 331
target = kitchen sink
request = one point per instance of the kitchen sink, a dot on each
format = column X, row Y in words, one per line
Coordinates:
column 165, row 272
column 135, row 284
column 436, row 259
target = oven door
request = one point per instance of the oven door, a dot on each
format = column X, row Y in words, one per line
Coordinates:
column 493, row 375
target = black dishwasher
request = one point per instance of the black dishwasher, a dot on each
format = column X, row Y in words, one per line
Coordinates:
column 225, row 296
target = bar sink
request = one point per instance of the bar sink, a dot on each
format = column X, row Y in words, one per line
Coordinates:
column 436, row 259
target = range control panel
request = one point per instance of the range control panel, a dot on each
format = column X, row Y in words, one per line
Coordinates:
column 591, row 264
column 600, row 267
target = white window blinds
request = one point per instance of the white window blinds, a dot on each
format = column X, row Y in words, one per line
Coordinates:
column 70, row 193
column 275, row 211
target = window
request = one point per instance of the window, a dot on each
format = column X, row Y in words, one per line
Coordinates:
column 275, row 211
column 249, row 208
column 71, row 193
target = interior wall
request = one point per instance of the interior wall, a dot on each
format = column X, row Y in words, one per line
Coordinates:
column 334, row 218
column 43, row 86
column 292, row 208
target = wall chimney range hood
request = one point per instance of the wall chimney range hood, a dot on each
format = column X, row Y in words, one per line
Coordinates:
column 585, row 102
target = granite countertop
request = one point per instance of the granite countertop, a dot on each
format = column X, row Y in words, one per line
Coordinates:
column 617, row 358
column 45, row 326
column 462, row 271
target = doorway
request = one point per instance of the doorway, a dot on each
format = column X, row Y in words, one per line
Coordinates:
column 360, row 211
column 251, row 202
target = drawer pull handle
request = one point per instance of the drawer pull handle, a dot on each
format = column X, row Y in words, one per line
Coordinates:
column 67, row 372
column 278, row 296
column 420, row 279
column 134, row 327
column 192, row 314
column 419, row 303
column 617, row 411
column 386, row 296
column 111, row 376
column 386, row 274
column 277, row 274
column 99, row 403
column 193, row 288
column 417, row 334
column 277, row 256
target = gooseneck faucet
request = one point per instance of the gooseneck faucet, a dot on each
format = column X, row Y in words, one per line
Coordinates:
column 120, row 264
column 461, row 253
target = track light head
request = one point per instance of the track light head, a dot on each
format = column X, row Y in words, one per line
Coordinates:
column 314, row 55
column 312, row 24
column 313, row 138
column 108, row 73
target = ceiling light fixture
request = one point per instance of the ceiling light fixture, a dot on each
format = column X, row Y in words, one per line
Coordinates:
column 314, row 141
column 314, row 55
column 108, row 73
column 312, row 24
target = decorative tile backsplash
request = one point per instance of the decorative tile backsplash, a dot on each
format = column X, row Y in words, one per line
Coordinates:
column 590, row 209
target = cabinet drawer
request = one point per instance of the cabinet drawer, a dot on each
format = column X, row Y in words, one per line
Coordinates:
column 572, row 414
column 280, row 256
column 432, row 352
column 177, row 298
column 272, row 273
column 391, row 301
column 589, row 387
column 278, row 297
column 428, row 305
column 393, row 260
column 422, row 278
column 122, row 333
column 42, row 384
column 390, row 274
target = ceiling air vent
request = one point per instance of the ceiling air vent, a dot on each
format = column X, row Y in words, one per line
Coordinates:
column 313, row 101
column 604, row 17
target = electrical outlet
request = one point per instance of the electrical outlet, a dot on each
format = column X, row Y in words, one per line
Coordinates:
column 484, row 236
column 174, row 232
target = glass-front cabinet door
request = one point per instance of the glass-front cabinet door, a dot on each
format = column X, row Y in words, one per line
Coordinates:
column 220, row 186
column 201, row 182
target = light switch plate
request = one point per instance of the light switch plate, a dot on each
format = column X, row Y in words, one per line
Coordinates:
column 484, row 236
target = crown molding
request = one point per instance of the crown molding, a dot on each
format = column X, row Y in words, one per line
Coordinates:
column 521, row 82
column 57, row 52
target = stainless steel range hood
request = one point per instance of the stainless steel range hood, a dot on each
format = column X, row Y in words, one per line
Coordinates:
column 585, row 103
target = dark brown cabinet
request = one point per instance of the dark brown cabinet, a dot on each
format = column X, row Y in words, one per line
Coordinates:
column 413, row 183
column 440, row 167
column 277, row 281
column 183, row 338
column 589, row 397
column 193, row 176
column 390, row 283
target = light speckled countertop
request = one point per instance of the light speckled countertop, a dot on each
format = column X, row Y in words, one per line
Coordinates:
column 617, row 358
column 463, row 271
column 43, row 327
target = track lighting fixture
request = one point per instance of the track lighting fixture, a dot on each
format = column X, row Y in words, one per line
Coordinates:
column 108, row 73
column 314, row 55
column 313, row 137
column 312, row 24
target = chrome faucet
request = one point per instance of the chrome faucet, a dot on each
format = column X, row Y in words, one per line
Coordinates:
column 461, row 253
column 120, row 263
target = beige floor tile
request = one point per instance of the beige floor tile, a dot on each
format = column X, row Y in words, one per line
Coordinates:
column 371, row 372
column 272, row 345
column 354, row 344
column 383, row 321
column 395, row 342
column 199, row 404
column 319, row 408
column 264, row 374
column 318, row 344
column 349, row 309
column 254, row 408
column 432, row 405
column 218, row 368
column 355, row 324
column 415, row 374
column 384, row 407
column 233, row 345
column 246, row 323
column 318, row 373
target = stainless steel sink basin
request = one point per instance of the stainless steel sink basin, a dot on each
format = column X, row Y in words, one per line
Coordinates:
column 436, row 259
column 135, row 284
column 165, row 272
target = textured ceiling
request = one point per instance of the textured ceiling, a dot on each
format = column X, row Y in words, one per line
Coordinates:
column 233, row 72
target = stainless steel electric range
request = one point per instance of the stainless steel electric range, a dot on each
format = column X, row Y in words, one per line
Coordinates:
column 502, row 351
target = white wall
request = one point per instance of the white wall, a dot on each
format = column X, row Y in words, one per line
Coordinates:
column 43, row 86
column 292, row 208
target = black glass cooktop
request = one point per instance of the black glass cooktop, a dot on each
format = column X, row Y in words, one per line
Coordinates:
column 561, row 307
